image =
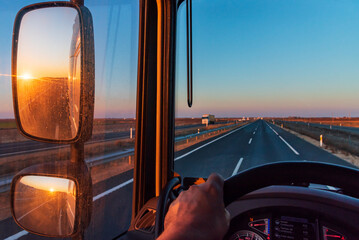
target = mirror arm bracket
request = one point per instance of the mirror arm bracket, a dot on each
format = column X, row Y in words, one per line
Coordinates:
column 78, row 152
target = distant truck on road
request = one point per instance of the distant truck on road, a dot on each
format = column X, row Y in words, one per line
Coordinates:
column 208, row 119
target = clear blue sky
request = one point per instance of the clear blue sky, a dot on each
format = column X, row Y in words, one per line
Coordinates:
column 272, row 58
column 251, row 58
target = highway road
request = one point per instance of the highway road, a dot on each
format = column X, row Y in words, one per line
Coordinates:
column 8, row 149
column 228, row 154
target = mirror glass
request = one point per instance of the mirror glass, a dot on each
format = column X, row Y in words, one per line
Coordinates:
column 46, row 205
column 49, row 73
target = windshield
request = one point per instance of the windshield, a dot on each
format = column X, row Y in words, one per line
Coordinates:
column 272, row 81
column 109, row 154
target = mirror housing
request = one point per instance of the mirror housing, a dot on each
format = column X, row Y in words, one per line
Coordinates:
column 63, row 113
column 53, row 200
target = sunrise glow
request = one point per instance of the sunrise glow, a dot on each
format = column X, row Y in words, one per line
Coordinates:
column 26, row 76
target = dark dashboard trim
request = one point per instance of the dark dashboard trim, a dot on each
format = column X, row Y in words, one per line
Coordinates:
column 304, row 193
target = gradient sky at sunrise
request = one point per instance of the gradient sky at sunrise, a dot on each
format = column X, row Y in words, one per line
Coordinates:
column 272, row 58
column 251, row 57
column 36, row 57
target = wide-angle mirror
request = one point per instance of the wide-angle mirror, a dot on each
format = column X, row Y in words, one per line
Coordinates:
column 49, row 73
column 45, row 205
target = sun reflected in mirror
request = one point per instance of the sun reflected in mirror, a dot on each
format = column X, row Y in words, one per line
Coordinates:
column 48, row 84
column 26, row 76
column 52, row 208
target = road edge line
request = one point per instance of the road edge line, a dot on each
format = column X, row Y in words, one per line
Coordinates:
column 295, row 151
column 17, row 235
column 112, row 190
column 206, row 144
column 281, row 138
column 95, row 198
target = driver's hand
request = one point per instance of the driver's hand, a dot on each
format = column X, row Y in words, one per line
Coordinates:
column 198, row 213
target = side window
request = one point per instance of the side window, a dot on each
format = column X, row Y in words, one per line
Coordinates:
column 270, row 79
column 110, row 152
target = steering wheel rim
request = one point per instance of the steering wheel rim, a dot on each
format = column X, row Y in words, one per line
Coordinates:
column 163, row 203
column 278, row 173
column 289, row 173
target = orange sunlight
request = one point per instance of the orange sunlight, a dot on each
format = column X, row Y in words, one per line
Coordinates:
column 26, row 76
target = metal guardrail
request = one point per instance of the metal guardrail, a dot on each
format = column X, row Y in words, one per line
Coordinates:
column 5, row 181
column 177, row 139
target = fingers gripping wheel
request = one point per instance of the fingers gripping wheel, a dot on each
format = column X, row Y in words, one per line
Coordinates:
column 280, row 173
column 167, row 196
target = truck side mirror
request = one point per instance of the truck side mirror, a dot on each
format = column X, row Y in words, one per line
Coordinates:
column 53, row 72
column 53, row 200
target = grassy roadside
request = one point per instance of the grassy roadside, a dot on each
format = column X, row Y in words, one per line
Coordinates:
column 333, row 147
column 7, row 123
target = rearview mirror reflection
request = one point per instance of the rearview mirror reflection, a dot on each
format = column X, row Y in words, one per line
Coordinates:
column 48, row 73
column 45, row 205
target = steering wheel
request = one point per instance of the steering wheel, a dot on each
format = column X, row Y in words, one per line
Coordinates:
column 278, row 173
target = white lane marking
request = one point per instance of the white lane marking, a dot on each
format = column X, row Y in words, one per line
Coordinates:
column 254, row 132
column 250, row 140
column 112, row 189
column 72, row 220
column 295, row 151
column 272, row 129
column 237, row 167
column 289, row 145
column 186, row 154
column 23, row 233
column 59, row 221
column 225, row 135
column 34, row 209
column 17, row 235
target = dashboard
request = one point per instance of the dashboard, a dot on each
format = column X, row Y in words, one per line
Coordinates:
column 279, row 213
column 294, row 213
column 284, row 224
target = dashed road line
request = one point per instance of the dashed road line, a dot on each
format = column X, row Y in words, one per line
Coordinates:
column 250, row 141
column 237, row 167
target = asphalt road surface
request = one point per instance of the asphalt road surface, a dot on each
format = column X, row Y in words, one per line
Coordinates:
column 7, row 149
column 228, row 154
